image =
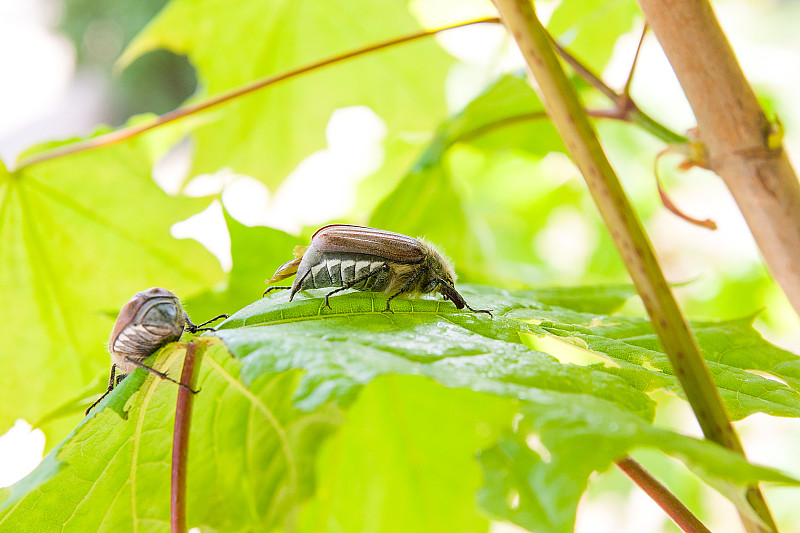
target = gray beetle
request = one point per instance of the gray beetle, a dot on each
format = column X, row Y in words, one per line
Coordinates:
column 368, row 259
column 149, row 320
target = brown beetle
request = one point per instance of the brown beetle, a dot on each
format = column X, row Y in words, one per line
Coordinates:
column 368, row 259
column 148, row 321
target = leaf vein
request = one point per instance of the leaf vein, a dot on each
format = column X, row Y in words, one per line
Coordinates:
column 268, row 414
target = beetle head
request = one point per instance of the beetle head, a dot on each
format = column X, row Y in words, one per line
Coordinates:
column 440, row 267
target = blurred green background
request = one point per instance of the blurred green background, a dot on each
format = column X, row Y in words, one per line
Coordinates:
column 543, row 229
column 426, row 150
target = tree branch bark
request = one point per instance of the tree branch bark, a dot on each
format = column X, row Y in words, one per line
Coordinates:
column 680, row 346
column 735, row 132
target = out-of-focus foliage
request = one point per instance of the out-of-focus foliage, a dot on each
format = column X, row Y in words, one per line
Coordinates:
column 100, row 30
column 267, row 134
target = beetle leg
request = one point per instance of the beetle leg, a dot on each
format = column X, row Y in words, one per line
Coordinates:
column 158, row 373
column 192, row 328
column 111, row 384
column 404, row 288
column 383, row 268
column 299, row 283
column 270, row 289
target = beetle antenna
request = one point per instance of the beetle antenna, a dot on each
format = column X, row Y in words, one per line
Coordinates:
column 453, row 295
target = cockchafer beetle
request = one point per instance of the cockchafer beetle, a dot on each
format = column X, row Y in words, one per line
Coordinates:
column 149, row 320
column 368, row 259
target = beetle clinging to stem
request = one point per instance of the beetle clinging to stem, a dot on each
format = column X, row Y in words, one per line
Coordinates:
column 149, row 320
column 368, row 259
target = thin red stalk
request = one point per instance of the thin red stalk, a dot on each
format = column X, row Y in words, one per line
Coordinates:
column 632, row 114
column 116, row 137
column 670, row 205
column 180, row 439
column 627, row 90
column 501, row 123
column 625, row 108
column 583, row 71
column 671, row 505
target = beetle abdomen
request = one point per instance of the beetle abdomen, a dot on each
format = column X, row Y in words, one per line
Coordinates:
column 135, row 340
column 338, row 269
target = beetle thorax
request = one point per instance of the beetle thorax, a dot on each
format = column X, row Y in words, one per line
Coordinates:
column 439, row 265
column 146, row 323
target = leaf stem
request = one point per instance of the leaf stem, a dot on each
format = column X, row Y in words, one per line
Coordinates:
column 626, row 230
column 180, row 438
column 679, row 513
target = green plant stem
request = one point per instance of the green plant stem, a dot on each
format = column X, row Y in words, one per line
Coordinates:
column 655, row 128
column 569, row 118
column 679, row 513
column 180, row 437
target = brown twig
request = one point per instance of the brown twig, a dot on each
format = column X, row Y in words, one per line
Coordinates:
column 735, row 131
column 630, row 113
column 669, row 204
column 180, row 438
column 116, row 137
column 679, row 513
